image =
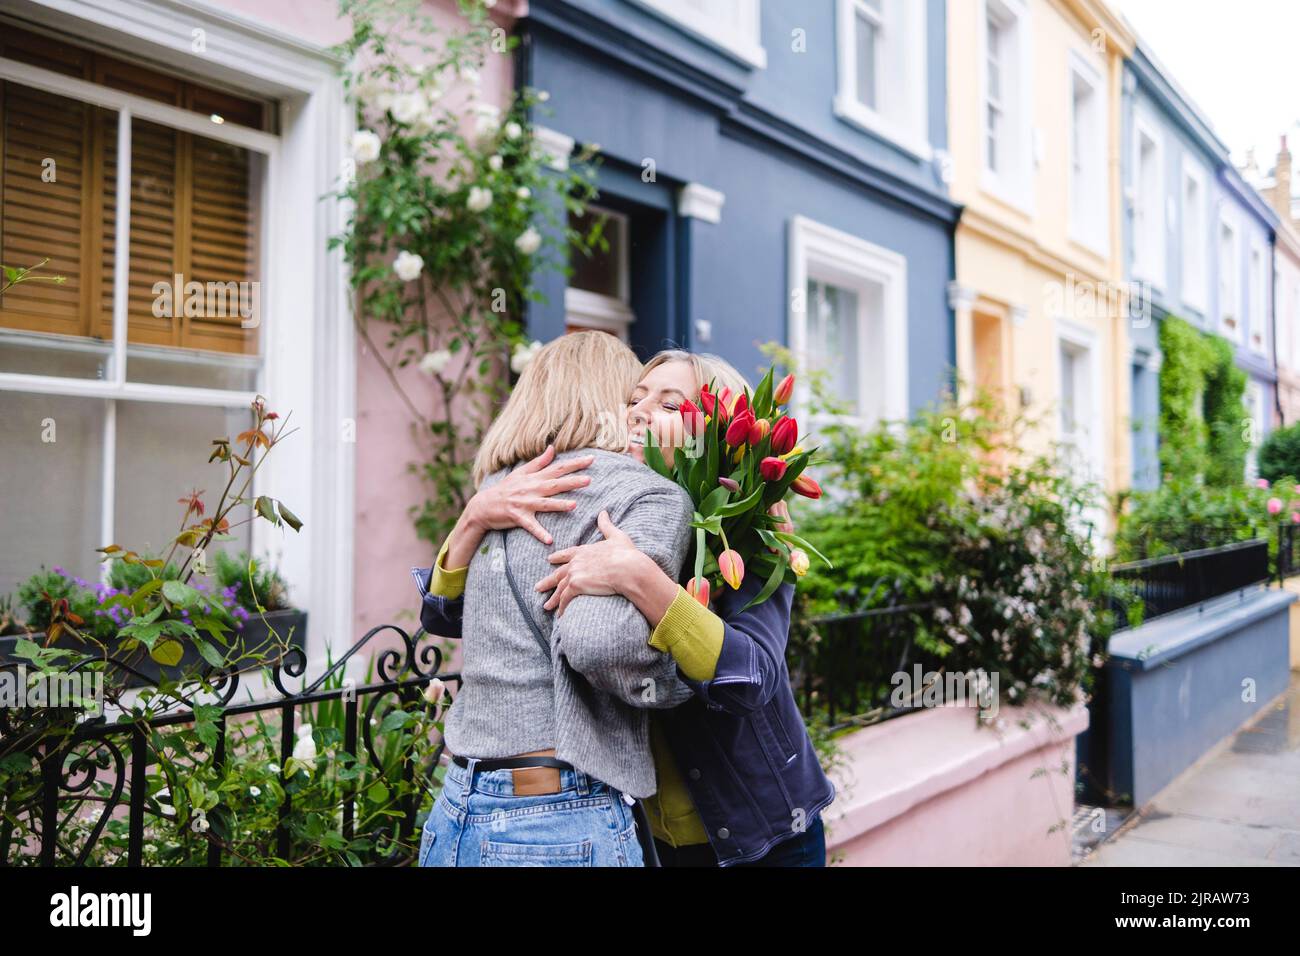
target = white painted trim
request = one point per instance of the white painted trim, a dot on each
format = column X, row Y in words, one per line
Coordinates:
column 827, row 254
column 555, row 147
column 1232, row 270
column 742, row 40
column 1195, row 296
column 1079, row 66
column 695, row 201
column 1257, row 320
column 913, row 80
column 594, row 311
column 308, row 340
column 185, row 120
column 1155, row 273
column 1016, row 188
column 1084, row 338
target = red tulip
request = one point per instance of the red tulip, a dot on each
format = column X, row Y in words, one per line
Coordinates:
column 692, row 418
column 784, row 390
column 784, row 434
column 698, row 588
column 738, row 430
column 732, row 568
column 741, row 405
column 724, row 404
column 758, row 431
column 708, row 401
column 729, row 483
column 772, row 469
column 803, row 485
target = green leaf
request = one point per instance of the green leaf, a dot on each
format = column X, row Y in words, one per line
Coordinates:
column 291, row 519
column 654, row 457
column 769, row 586
column 167, row 652
column 712, row 501
column 802, row 543
column 740, row 507
column 178, row 592
column 265, row 509
column 209, row 653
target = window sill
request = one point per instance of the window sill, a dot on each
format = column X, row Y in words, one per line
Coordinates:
column 996, row 187
column 869, row 121
column 722, row 37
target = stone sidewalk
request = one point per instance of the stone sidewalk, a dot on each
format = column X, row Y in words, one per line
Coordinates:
column 1238, row 806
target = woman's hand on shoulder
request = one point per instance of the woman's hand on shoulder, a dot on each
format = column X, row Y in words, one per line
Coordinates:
column 612, row 566
column 517, row 499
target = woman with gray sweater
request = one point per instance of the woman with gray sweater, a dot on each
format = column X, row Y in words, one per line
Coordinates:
column 549, row 733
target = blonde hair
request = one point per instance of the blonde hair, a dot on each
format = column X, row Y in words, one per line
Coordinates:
column 707, row 368
column 573, row 394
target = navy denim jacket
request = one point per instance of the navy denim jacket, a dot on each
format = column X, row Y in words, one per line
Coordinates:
column 740, row 741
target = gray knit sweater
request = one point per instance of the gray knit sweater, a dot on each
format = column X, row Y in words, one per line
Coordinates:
column 589, row 701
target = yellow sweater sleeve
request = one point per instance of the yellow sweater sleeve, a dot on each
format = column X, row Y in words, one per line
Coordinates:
column 447, row 583
column 692, row 634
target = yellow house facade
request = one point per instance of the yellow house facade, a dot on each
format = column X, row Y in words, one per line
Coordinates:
column 1034, row 93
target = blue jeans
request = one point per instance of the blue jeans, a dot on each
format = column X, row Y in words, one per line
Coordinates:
column 478, row 821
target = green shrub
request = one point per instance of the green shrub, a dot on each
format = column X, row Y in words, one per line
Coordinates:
column 1279, row 455
column 253, row 585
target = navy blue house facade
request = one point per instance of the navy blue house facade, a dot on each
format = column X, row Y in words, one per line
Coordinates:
column 774, row 171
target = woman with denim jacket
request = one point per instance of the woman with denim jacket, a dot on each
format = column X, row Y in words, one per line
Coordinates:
column 739, row 782
column 549, row 733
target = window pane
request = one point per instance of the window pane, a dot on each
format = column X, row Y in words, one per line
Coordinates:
column 601, row 272
column 195, row 245
column 867, row 37
column 833, row 339
column 51, row 175
column 52, row 484
column 162, row 455
column 1069, row 382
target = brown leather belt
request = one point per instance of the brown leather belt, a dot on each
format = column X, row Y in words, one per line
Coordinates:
column 533, row 774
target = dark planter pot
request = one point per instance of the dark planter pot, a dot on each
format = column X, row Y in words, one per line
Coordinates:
column 256, row 637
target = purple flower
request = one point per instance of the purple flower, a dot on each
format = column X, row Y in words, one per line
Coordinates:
column 59, row 571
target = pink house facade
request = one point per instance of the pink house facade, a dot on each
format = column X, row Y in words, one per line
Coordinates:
column 133, row 436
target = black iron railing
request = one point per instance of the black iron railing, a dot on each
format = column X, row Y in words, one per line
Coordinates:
column 1288, row 550
column 105, row 765
column 1173, row 582
column 842, row 666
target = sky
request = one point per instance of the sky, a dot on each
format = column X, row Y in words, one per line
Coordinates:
column 1238, row 60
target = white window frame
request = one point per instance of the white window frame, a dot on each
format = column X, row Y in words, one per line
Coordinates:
column 591, row 310
column 1092, row 233
column 1254, row 399
column 1015, row 185
column 1257, row 303
column 305, row 300
column 1149, row 264
column 1195, row 263
column 1230, row 297
column 904, row 121
column 825, row 254
column 1078, row 338
column 1295, row 324
column 741, row 39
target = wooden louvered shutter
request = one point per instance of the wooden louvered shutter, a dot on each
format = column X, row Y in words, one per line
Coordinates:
column 194, row 204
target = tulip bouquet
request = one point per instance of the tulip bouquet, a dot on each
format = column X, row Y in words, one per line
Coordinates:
column 739, row 456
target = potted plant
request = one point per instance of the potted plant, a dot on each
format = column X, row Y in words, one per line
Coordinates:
column 167, row 616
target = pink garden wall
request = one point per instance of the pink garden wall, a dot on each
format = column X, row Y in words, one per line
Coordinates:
column 385, row 541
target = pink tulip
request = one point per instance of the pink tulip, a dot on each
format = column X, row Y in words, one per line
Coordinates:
column 784, row 391
column 698, row 588
column 729, row 483
column 772, row 469
column 732, row 568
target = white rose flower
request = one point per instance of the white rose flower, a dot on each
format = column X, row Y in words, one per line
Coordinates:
column 494, row 163
column 514, row 130
column 543, row 96
column 365, row 146
column 304, row 749
column 479, row 198
column 434, row 362
column 523, row 192
column 407, row 265
column 523, row 354
column 529, row 241
column 407, row 107
column 485, row 128
column 254, row 791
